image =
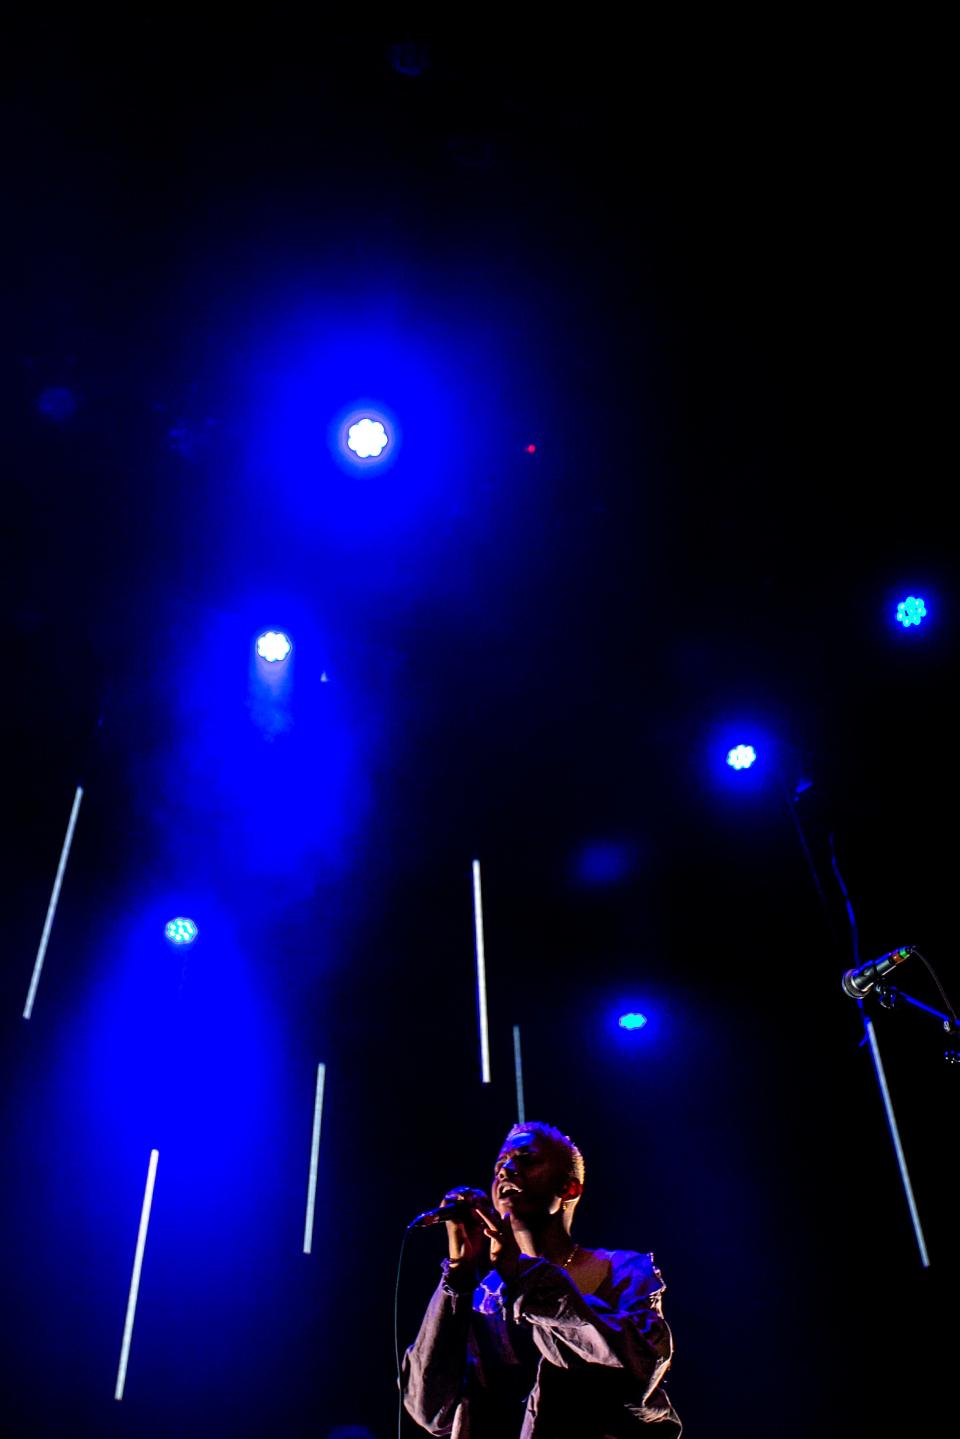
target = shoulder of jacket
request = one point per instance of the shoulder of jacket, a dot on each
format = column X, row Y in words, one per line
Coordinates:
column 639, row 1263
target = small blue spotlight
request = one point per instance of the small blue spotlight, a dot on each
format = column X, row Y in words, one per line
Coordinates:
column 632, row 1021
column 367, row 439
column 273, row 646
column 57, row 403
column 911, row 611
column 605, row 862
column 741, row 756
column 180, row 930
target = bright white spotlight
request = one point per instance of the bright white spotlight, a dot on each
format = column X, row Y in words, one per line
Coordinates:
column 367, row 439
column 273, row 646
column 911, row 611
column 741, row 756
column 180, row 930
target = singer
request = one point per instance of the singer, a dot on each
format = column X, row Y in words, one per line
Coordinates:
column 552, row 1341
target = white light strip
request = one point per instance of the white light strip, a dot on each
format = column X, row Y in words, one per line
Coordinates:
column 135, row 1276
column 518, row 1071
column 314, row 1157
column 481, row 975
column 52, row 906
column 894, row 1131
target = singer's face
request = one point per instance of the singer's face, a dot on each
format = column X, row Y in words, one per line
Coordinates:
column 528, row 1178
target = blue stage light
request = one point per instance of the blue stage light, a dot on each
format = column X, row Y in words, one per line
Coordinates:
column 273, row 646
column 180, row 930
column 57, row 403
column 605, row 862
column 632, row 1021
column 409, row 58
column 741, row 756
column 911, row 611
column 367, row 439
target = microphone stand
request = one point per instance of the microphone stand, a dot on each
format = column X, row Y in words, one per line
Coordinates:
column 871, row 1039
column 870, row 1034
column 890, row 997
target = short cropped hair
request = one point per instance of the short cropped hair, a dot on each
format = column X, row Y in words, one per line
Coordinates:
column 560, row 1143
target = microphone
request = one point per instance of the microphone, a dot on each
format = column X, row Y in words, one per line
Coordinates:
column 459, row 1209
column 858, row 982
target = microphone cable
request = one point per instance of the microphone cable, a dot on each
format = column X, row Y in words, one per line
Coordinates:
column 954, row 1021
column 851, row 917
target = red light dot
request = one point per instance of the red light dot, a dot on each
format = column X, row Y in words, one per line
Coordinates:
column 531, row 449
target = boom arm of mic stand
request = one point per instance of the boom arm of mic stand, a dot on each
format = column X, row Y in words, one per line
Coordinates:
column 890, row 997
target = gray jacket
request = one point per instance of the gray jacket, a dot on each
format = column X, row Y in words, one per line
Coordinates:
column 536, row 1359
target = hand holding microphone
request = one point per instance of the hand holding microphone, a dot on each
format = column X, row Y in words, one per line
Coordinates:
column 472, row 1223
column 465, row 1232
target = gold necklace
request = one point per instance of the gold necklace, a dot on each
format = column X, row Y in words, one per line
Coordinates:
column 567, row 1261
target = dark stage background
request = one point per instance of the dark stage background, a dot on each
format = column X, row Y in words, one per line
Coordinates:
column 707, row 278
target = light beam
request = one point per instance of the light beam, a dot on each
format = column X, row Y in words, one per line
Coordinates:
column 135, row 1276
column 518, row 1073
column 481, row 975
column 314, row 1160
column 52, row 906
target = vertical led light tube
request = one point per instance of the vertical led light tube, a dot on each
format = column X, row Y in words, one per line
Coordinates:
column 481, row 975
column 135, row 1276
column 518, row 1072
column 52, row 906
column 314, row 1159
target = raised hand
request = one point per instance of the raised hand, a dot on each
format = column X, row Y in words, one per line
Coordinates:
column 504, row 1250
